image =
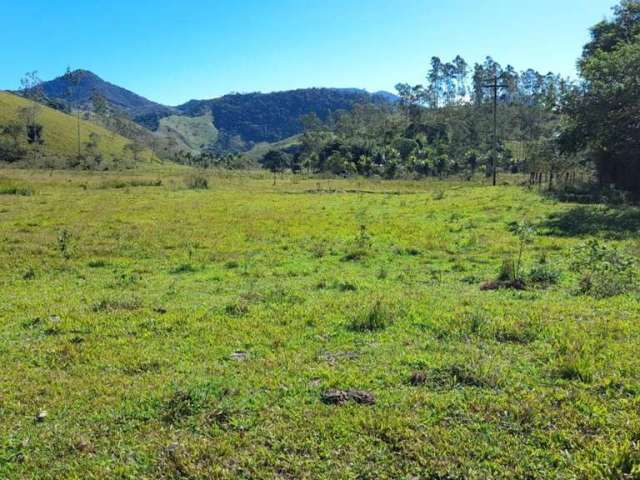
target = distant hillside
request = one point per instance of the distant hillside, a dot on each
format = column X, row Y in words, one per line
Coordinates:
column 191, row 134
column 60, row 132
column 271, row 117
column 79, row 95
column 260, row 149
column 240, row 121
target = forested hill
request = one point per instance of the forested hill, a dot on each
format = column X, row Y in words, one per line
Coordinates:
column 242, row 120
column 269, row 117
column 84, row 89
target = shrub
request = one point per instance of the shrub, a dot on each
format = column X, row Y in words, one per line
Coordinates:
column 604, row 270
column 507, row 272
column 184, row 268
column 543, row 273
column 197, row 182
column 65, row 239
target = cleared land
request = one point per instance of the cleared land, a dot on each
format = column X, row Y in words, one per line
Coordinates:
column 174, row 333
column 60, row 132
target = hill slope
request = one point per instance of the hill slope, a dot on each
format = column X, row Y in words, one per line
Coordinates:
column 271, row 117
column 88, row 83
column 240, row 121
column 60, row 131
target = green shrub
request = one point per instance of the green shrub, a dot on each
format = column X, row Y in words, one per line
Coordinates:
column 507, row 271
column 65, row 241
column 543, row 273
column 604, row 270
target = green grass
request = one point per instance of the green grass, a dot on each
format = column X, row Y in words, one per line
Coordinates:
column 191, row 133
column 60, row 131
column 193, row 333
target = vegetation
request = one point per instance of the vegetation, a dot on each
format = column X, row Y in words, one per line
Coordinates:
column 364, row 305
column 603, row 112
column 221, row 333
column 56, row 141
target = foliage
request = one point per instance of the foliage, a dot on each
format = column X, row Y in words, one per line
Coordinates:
column 603, row 112
column 543, row 273
column 59, row 137
column 604, row 270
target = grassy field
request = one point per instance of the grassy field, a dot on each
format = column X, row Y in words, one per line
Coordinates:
column 152, row 331
column 60, row 131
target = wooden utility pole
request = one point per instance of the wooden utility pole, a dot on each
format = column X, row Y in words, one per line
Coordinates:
column 495, row 86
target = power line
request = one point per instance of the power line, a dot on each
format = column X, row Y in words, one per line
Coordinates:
column 495, row 86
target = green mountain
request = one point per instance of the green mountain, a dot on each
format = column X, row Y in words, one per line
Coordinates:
column 235, row 122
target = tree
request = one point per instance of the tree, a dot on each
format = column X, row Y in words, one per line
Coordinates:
column 604, row 113
column 73, row 81
column 134, row 149
column 31, row 89
column 275, row 161
column 99, row 103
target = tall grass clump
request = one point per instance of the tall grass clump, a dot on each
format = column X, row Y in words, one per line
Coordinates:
column 372, row 318
column 197, row 182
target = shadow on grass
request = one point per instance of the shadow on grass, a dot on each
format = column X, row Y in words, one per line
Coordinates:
column 614, row 222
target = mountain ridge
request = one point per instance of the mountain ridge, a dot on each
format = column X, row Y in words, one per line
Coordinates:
column 242, row 119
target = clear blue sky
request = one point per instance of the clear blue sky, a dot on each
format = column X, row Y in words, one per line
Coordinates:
column 171, row 51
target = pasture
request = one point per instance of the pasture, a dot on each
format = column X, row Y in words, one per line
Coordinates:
column 318, row 328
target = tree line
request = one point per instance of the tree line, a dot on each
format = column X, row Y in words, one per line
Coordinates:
column 553, row 129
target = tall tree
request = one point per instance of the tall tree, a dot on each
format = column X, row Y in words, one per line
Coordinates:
column 73, row 82
column 604, row 114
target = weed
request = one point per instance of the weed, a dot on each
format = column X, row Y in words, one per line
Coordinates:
column 65, row 239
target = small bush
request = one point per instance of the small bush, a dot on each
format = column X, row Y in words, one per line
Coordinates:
column 97, row 264
column 543, row 273
column 355, row 255
column 507, row 272
column 29, row 274
column 65, row 240
column 604, row 270
column 197, row 182
column 184, row 268
column 377, row 317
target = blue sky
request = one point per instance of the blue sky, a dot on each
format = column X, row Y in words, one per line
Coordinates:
column 171, row 51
